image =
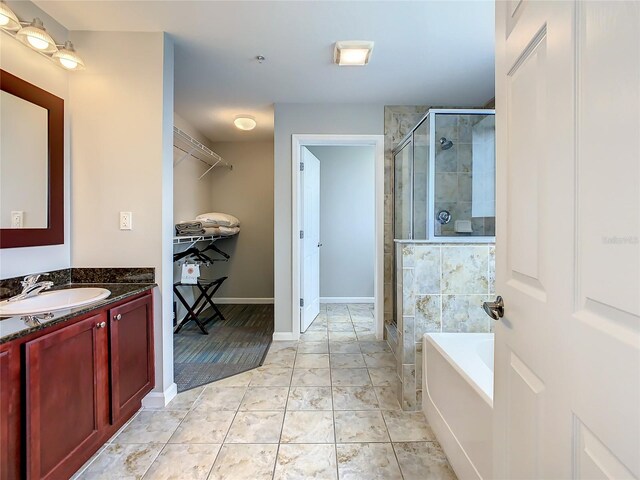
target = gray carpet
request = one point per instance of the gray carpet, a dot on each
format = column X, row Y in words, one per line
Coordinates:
column 233, row 346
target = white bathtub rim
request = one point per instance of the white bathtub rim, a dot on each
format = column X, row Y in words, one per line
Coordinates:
column 483, row 383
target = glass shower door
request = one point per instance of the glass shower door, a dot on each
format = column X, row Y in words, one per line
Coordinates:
column 403, row 191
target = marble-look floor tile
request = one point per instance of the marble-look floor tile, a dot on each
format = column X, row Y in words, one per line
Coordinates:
column 271, row 377
column 408, row 426
column 308, row 427
column 151, row 426
column 309, row 398
column 122, row 461
column 374, row 347
column 367, row 336
column 255, row 427
column 370, row 461
column 313, row 347
column 265, row 398
column 283, row 358
column 344, row 347
column 244, row 462
column 343, row 336
column 388, row 398
column 312, row 360
column 354, row 398
column 341, row 327
column 203, row 425
column 381, row 359
column 347, row 360
column 183, row 462
column 339, row 318
column 311, row 377
column 350, row 377
column 360, row 426
column 384, row 376
column 279, row 346
column 184, row 400
column 239, row 380
column 420, row 460
column 306, row 461
column 321, row 336
column 221, row 398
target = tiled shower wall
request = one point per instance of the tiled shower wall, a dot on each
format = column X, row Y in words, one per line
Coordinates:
column 398, row 121
column 441, row 288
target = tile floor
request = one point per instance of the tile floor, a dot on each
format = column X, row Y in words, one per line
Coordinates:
column 322, row 408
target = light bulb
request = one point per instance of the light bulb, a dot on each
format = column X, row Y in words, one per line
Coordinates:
column 37, row 43
column 70, row 64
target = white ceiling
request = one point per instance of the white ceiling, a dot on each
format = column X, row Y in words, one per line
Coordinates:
column 426, row 52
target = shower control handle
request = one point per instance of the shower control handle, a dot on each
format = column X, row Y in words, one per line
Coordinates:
column 494, row 309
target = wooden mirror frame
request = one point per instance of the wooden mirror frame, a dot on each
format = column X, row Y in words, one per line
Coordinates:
column 54, row 233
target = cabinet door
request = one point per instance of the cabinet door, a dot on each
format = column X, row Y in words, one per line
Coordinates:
column 9, row 412
column 66, row 382
column 132, row 369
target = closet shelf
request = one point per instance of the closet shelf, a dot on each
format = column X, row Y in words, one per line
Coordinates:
column 194, row 239
column 191, row 147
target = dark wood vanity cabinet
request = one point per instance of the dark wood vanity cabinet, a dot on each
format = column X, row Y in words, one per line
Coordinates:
column 131, row 332
column 66, row 396
column 80, row 381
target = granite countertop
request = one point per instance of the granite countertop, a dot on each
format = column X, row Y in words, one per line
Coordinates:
column 12, row 328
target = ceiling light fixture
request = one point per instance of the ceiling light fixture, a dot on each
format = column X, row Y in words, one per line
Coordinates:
column 245, row 122
column 68, row 58
column 8, row 19
column 352, row 52
column 37, row 37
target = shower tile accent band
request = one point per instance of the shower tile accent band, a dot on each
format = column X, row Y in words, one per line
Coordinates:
column 440, row 288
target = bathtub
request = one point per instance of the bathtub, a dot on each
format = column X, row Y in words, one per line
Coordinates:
column 458, row 398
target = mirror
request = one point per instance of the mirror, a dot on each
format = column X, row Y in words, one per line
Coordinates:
column 31, row 165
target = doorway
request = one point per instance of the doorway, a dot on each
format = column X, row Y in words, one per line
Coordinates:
column 317, row 264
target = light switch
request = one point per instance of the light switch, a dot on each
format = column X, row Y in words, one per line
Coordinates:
column 126, row 221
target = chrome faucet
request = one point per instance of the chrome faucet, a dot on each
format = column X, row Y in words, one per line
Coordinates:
column 31, row 287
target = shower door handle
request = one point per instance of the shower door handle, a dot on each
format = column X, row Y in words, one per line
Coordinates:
column 494, row 309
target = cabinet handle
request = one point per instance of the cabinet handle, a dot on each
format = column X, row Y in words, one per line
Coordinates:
column 117, row 317
column 101, row 324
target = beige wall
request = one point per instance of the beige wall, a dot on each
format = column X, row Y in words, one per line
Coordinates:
column 29, row 65
column 121, row 143
column 246, row 192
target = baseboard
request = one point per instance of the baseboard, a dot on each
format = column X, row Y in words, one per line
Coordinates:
column 285, row 337
column 156, row 400
column 347, row 299
column 242, row 301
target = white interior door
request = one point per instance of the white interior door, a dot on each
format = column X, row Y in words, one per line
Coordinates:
column 310, row 251
column 567, row 359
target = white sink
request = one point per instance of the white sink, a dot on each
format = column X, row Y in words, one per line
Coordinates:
column 52, row 301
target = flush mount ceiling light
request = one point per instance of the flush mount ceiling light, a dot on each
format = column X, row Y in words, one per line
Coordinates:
column 68, row 58
column 245, row 122
column 37, row 37
column 8, row 19
column 352, row 52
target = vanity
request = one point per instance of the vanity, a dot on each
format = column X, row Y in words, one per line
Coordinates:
column 72, row 378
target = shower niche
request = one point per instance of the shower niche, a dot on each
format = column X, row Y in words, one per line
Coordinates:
column 444, row 178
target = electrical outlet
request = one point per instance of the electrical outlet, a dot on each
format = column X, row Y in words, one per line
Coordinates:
column 126, row 221
column 17, row 219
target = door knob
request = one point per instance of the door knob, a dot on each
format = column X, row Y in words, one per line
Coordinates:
column 494, row 309
column 319, row 245
column 101, row 324
column 117, row 317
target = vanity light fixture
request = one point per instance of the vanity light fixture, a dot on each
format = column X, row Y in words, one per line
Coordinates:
column 68, row 58
column 37, row 37
column 245, row 122
column 8, row 19
column 352, row 52
column 34, row 35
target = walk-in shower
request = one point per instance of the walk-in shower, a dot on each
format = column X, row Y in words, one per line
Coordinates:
column 444, row 178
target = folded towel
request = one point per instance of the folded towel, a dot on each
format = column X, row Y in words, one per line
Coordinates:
column 228, row 231
column 189, row 228
column 218, row 219
column 212, row 231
